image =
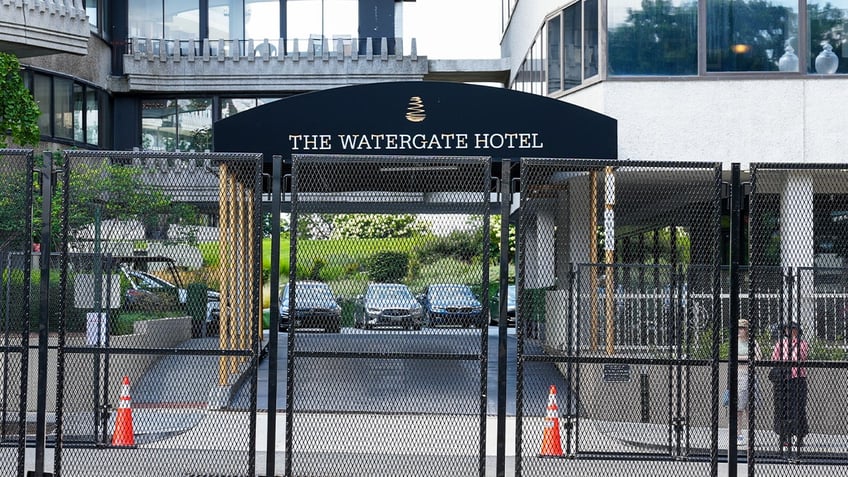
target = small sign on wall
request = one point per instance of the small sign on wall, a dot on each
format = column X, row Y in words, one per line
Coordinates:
column 616, row 373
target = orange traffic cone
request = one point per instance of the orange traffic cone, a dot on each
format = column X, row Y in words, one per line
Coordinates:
column 551, row 442
column 123, row 435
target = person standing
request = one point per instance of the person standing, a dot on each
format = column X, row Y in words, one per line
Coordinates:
column 744, row 400
column 790, row 413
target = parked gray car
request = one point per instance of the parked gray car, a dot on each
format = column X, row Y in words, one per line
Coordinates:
column 314, row 307
column 447, row 304
column 388, row 305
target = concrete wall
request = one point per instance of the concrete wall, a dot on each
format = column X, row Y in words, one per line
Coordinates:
column 621, row 401
column 787, row 120
column 79, row 367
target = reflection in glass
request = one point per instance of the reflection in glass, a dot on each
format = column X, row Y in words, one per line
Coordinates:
column 91, row 13
column 63, row 108
column 322, row 19
column 79, row 102
column 226, row 19
column 660, row 38
column 92, row 117
column 827, row 23
column 145, row 18
column 182, row 19
column 590, row 38
column 537, row 61
column 194, row 125
column 744, row 35
column 572, row 45
column 262, row 19
column 158, row 124
column 553, row 31
column 42, row 91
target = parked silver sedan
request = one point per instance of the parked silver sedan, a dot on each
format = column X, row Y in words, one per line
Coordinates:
column 388, row 305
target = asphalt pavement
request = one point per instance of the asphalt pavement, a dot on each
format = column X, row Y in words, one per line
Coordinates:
column 171, row 419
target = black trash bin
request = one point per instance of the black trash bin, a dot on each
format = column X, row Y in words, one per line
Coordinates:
column 196, row 297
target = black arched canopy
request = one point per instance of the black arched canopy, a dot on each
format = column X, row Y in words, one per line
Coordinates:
column 420, row 118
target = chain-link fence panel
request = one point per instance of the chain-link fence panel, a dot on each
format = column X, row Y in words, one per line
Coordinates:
column 160, row 322
column 798, row 295
column 618, row 292
column 18, row 268
column 385, row 306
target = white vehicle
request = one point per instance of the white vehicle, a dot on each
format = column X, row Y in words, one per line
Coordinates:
column 147, row 291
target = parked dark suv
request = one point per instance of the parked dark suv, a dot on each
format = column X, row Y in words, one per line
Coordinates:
column 448, row 304
column 314, row 307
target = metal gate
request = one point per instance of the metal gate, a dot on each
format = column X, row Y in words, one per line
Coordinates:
column 618, row 291
column 133, row 331
column 147, row 316
column 633, row 279
column 16, row 183
column 411, row 319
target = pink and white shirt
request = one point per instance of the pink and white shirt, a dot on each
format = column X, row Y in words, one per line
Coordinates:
column 796, row 350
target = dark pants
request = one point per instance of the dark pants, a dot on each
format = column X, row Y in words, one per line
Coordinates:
column 790, row 409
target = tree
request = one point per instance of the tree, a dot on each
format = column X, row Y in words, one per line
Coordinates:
column 105, row 191
column 365, row 226
column 19, row 112
column 314, row 226
column 13, row 185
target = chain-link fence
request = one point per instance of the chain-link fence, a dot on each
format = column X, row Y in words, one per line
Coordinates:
column 134, row 341
column 390, row 266
column 617, row 296
column 797, row 309
column 159, row 324
column 16, row 306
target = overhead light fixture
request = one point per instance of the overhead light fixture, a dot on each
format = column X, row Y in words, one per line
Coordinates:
column 740, row 48
column 418, row 168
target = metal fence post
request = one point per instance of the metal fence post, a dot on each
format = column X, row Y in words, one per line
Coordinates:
column 44, row 313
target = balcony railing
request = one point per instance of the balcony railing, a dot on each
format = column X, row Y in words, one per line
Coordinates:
column 205, row 66
column 265, row 50
column 42, row 27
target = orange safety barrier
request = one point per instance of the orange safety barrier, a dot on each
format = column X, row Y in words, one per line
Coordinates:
column 551, row 442
column 123, row 436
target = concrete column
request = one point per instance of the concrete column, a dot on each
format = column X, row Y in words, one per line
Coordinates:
column 796, row 242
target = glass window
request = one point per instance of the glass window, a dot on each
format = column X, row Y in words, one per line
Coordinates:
column 158, row 125
column 590, row 38
column 750, row 35
column 79, row 111
column 231, row 106
column 572, row 45
column 146, row 18
column 63, row 108
column 42, row 91
column 827, row 26
column 303, row 19
column 554, row 65
column 317, row 19
column 182, row 19
column 226, row 19
column 194, row 125
column 262, row 19
column 341, row 20
column 92, row 117
column 658, row 38
column 91, row 12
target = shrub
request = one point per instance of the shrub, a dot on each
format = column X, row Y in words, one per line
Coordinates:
column 388, row 266
column 459, row 245
column 823, row 351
